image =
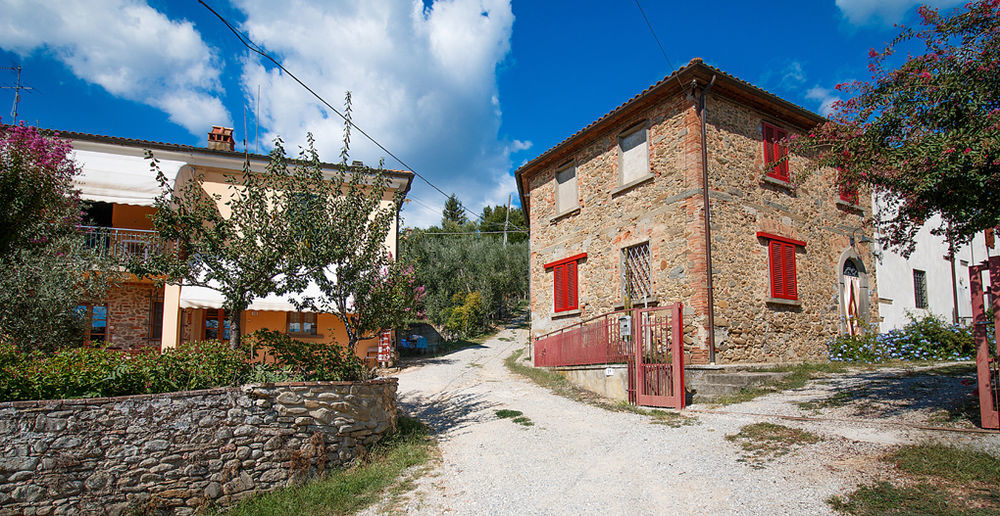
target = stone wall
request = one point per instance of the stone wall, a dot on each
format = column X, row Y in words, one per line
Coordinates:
column 129, row 315
column 181, row 451
column 667, row 211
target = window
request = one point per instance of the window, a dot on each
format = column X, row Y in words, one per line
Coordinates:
column 214, row 320
column 302, row 323
column 919, row 288
column 564, row 278
column 634, row 160
column 773, row 151
column 96, row 317
column 156, row 321
column 636, row 279
column 566, row 196
column 781, row 264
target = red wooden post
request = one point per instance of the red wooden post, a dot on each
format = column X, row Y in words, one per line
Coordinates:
column 677, row 350
column 986, row 366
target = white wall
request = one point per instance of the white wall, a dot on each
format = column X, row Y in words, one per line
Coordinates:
column 894, row 275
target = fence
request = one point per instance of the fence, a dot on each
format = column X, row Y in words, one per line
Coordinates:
column 596, row 340
column 123, row 243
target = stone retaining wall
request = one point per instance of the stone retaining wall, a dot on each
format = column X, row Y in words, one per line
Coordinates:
column 180, row 451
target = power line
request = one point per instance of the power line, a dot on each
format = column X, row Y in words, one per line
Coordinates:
column 662, row 51
column 247, row 42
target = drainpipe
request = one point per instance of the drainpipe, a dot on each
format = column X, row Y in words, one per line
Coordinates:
column 708, row 219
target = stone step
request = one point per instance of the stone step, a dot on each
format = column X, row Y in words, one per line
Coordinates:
column 708, row 386
column 744, row 378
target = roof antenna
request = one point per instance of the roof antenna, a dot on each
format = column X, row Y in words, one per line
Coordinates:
column 256, row 124
column 17, row 89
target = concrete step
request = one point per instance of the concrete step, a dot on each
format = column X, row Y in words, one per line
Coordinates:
column 708, row 385
column 743, row 378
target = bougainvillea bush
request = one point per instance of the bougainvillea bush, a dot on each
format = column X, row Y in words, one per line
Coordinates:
column 927, row 338
column 97, row 372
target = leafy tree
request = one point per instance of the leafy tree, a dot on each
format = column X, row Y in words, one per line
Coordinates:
column 453, row 215
column 925, row 133
column 495, row 219
column 46, row 268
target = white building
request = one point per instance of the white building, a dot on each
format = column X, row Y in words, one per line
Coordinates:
column 929, row 281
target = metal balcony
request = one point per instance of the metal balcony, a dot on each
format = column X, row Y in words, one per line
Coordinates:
column 123, row 243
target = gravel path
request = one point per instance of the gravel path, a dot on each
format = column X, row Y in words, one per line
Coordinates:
column 579, row 459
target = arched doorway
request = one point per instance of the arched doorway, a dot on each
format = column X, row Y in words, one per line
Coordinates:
column 854, row 298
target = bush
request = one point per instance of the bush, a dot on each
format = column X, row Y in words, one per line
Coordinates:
column 311, row 361
column 928, row 338
column 96, row 372
column 466, row 317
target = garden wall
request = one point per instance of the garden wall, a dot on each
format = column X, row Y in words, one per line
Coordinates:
column 180, row 451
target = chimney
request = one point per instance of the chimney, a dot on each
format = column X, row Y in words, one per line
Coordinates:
column 221, row 138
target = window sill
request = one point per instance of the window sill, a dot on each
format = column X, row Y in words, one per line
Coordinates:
column 779, row 182
column 631, row 184
column 638, row 303
column 572, row 211
column 780, row 301
column 566, row 314
column 305, row 335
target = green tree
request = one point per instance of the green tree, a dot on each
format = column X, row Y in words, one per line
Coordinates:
column 495, row 218
column 46, row 268
column 924, row 132
column 453, row 215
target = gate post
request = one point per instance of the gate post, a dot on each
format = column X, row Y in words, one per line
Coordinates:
column 986, row 364
column 677, row 350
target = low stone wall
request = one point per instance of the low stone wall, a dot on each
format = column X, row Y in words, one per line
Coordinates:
column 180, row 451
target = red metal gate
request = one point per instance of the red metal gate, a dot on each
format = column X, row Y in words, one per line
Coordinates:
column 653, row 350
column 987, row 366
column 658, row 364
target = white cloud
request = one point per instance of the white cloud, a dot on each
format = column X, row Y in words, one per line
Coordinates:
column 860, row 12
column 126, row 47
column 793, row 74
column 423, row 83
column 825, row 97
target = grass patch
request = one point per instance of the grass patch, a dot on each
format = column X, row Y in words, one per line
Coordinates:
column 523, row 421
column 507, row 413
column 948, row 480
column 561, row 386
column 799, row 375
column 839, row 399
column 765, row 441
column 349, row 490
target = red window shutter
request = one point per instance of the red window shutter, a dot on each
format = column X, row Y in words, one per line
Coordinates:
column 777, row 285
column 559, row 273
column 571, row 296
column 780, row 152
column 791, row 289
column 768, row 144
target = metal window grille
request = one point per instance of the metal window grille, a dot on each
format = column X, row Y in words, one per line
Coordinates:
column 636, row 279
column 919, row 288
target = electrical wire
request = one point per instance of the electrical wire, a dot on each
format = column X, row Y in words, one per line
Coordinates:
column 247, row 42
column 662, row 51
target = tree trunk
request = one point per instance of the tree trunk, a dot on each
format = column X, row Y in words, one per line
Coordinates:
column 234, row 328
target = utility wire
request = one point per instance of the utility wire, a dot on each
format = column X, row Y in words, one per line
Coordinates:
column 247, row 42
column 662, row 51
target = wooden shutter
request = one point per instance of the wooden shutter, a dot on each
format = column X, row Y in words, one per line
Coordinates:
column 777, row 285
column 788, row 263
column 559, row 273
column 781, row 170
column 768, row 145
column 774, row 152
column 571, row 297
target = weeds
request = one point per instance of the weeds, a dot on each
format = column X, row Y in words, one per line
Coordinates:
column 766, row 441
column 516, row 416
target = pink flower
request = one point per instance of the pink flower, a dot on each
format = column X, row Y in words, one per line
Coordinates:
column 949, row 150
column 967, row 150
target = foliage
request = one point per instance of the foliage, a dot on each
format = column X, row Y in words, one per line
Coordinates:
column 495, row 218
column 454, row 266
column 309, row 360
column 389, row 467
column 925, row 134
column 927, row 338
column 45, row 266
column 453, row 216
column 96, row 372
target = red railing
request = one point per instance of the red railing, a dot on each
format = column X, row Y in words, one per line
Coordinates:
column 593, row 341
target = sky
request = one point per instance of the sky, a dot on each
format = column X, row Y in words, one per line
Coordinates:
column 462, row 91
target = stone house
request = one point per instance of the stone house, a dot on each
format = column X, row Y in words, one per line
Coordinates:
column 119, row 188
column 617, row 217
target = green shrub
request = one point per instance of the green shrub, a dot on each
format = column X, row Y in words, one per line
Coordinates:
column 310, row 360
column 927, row 338
column 465, row 317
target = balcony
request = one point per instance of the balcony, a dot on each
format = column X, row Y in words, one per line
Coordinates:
column 123, row 243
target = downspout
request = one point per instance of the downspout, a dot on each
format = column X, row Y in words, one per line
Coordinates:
column 708, row 219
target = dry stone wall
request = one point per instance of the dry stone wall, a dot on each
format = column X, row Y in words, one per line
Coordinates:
column 177, row 452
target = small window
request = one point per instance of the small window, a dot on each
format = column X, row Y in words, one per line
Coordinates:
column 96, row 317
column 156, row 321
column 564, row 283
column 634, row 160
column 566, row 195
column 919, row 288
column 774, row 151
column 781, row 265
column 302, row 323
column 215, row 320
column 636, row 278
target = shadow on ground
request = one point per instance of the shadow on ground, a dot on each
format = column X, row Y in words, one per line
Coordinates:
column 451, row 413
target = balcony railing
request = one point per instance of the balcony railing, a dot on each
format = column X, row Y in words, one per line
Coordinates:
column 123, row 243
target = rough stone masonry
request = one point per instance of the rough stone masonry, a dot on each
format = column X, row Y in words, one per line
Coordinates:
column 181, row 451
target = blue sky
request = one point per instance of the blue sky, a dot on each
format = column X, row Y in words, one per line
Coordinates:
column 464, row 91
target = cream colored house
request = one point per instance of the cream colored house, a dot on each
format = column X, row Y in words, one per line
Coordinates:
column 117, row 182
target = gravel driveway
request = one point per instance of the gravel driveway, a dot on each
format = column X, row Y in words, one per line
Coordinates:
column 579, row 459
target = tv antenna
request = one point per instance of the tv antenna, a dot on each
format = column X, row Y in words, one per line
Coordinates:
column 17, row 89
